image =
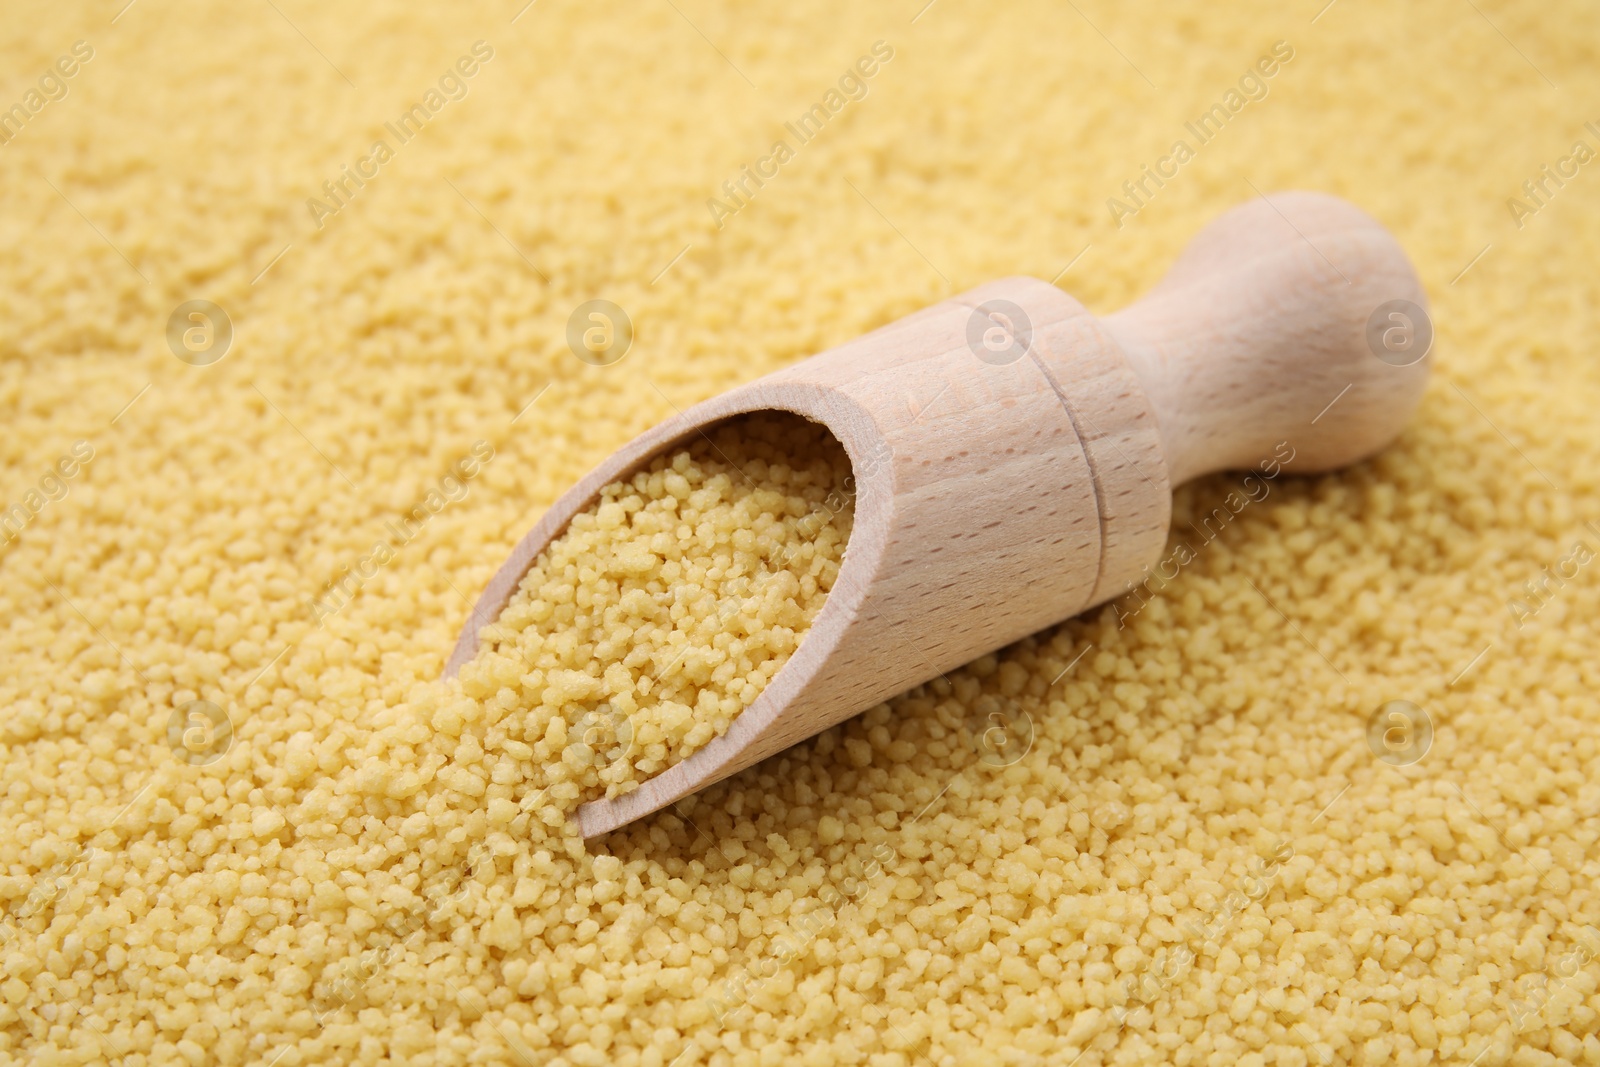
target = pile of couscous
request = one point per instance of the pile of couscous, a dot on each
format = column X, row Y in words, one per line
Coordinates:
column 1330, row 796
column 666, row 606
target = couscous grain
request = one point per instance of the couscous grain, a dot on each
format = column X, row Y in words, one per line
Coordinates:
column 668, row 605
column 1198, row 859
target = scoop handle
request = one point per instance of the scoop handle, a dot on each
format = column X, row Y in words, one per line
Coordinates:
column 1295, row 317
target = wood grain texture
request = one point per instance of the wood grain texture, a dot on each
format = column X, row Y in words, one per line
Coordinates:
column 998, row 493
column 1260, row 325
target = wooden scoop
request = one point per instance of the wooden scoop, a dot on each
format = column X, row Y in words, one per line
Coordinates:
column 1014, row 455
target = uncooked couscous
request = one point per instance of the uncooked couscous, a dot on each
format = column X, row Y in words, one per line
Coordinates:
column 668, row 605
column 237, row 830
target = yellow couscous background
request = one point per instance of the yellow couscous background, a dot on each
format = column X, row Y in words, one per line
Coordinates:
column 1199, row 860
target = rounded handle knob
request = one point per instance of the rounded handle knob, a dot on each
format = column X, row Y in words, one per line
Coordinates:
column 1295, row 317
